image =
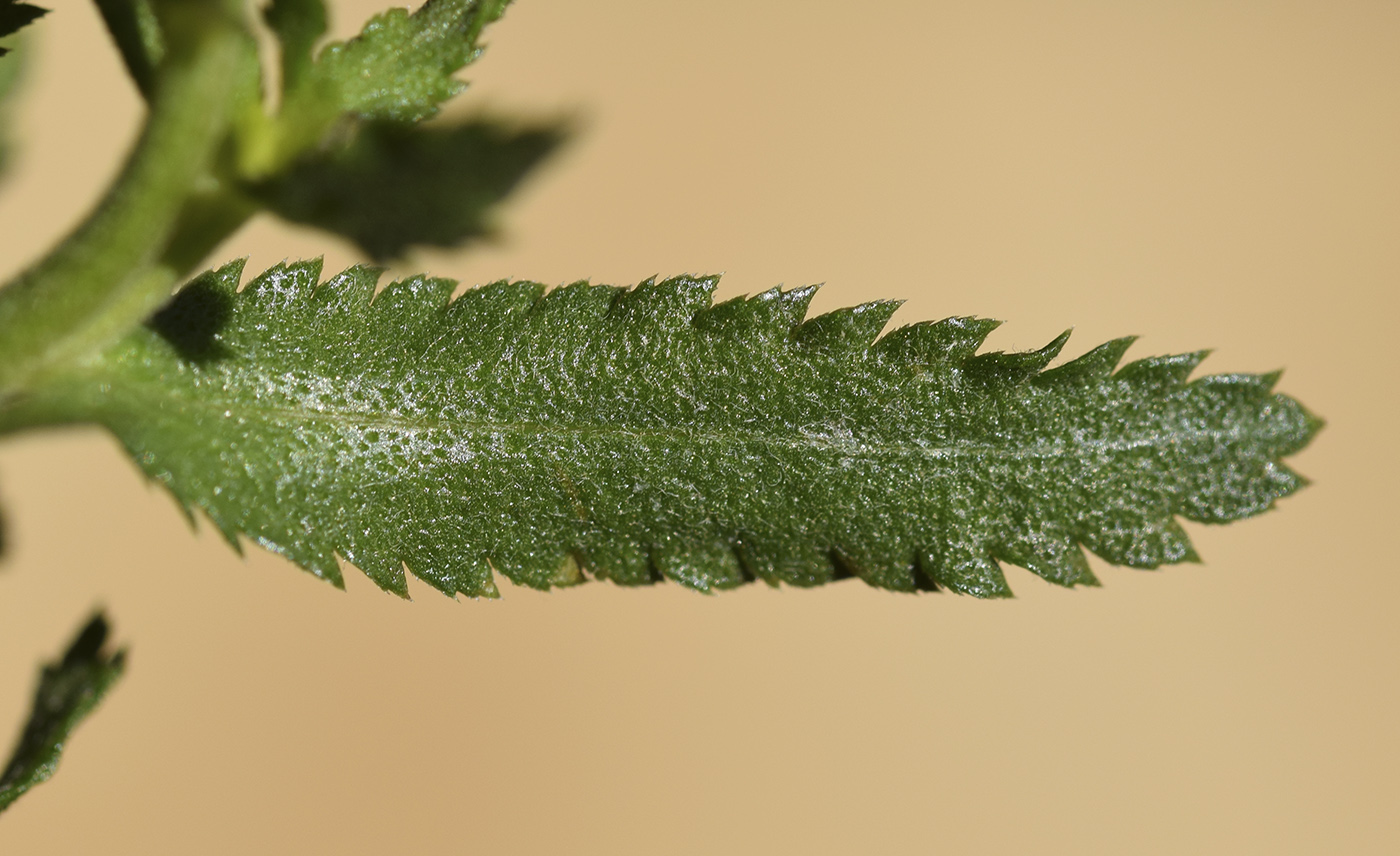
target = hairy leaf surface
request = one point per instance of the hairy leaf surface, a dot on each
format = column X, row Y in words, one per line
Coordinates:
column 68, row 691
column 400, row 67
column 644, row 433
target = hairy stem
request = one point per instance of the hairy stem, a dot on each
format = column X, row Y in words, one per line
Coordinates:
column 119, row 265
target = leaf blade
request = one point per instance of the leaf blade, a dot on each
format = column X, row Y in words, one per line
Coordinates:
column 644, row 433
column 69, row 690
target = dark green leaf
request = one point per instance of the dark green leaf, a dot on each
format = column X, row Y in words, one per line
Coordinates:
column 136, row 31
column 639, row 434
column 395, row 186
column 68, row 691
column 15, row 15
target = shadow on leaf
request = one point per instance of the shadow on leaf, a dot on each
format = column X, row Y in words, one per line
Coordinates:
column 191, row 321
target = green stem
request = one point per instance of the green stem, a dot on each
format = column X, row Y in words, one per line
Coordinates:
column 117, row 266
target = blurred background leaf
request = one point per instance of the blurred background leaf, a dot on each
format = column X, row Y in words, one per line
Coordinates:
column 68, row 691
column 395, row 186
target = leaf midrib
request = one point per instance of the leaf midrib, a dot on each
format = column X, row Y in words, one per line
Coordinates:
column 803, row 443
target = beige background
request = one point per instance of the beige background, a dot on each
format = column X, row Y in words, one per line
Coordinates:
column 1202, row 174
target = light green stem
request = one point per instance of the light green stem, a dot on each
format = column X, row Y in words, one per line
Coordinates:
column 118, row 265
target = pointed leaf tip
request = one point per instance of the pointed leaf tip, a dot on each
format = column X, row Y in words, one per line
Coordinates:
column 774, row 312
column 1092, row 366
column 1165, row 372
column 847, row 331
column 1014, row 367
column 950, row 341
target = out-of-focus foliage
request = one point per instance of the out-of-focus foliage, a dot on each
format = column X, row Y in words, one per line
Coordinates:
column 68, row 691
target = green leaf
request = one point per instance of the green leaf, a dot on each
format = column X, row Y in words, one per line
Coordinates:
column 68, row 691
column 400, row 67
column 395, row 186
column 15, row 15
column 640, row 434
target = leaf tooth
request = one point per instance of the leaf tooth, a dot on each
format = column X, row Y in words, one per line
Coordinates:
column 575, row 302
column 403, row 310
column 882, row 564
column 847, row 331
column 415, row 295
column 1091, row 367
column 670, row 304
column 776, row 561
column 540, row 568
column 1127, row 538
column 732, row 313
column 963, row 571
column 793, row 303
column 1257, row 387
column 227, row 529
column 348, row 292
column 1165, row 372
column 282, row 287
column 703, row 566
column 1051, row 350
column 772, row 313
column 384, row 569
column 490, row 306
column 1293, row 426
column 449, row 570
column 619, row 559
column 950, row 341
column 1050, row 555
column 224, row 279
column 319, row 559
column 782, row 310
column 1236, row 488
column 1014, row 366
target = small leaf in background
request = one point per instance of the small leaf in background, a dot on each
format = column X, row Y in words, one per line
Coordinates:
column 68, row 691
column 401, row 65
column 15, row 15
column 395, row 186
column 135, row 29
column 638, row 434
